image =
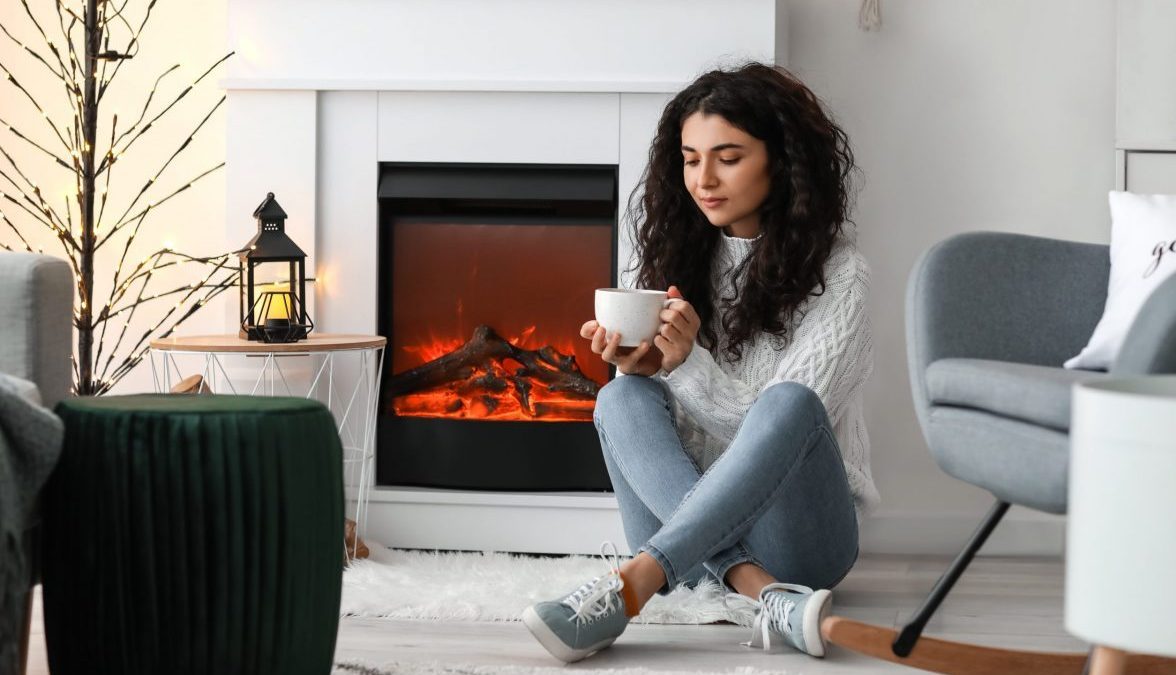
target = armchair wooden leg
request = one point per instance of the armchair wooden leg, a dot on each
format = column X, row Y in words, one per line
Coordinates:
column 910, row 648
column 960, row 658
column 942, row 656
column 1108, row 661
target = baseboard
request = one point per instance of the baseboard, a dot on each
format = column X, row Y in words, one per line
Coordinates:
column 578, row 522
column 563, row 522
column 1022, row 532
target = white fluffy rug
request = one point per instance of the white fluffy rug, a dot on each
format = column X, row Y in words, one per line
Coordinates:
column 357, row 668
column 499, row 586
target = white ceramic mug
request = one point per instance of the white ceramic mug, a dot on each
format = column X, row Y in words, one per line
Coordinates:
column 634, row 313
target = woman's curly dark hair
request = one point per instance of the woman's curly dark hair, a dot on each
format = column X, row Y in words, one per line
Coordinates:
column 810, row 164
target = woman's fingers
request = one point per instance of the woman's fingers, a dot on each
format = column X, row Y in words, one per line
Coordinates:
column 676, row 319
column 681, row 314
column 671, row 331
column 672, row 353
column 666, row 346
column 628, row 362
column 609, row 353
column 588, row 329
column 685, row 310
column 598, row 341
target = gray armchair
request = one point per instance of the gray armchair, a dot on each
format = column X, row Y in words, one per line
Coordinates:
column 36, row 333
column 990, row 319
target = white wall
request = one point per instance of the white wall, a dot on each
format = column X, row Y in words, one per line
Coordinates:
column 964, row 115
column 191, row 35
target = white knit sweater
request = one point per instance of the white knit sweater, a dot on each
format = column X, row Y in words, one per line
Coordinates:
column 829, row 349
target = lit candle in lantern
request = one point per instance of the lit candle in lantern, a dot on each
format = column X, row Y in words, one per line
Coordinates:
column 279, row 306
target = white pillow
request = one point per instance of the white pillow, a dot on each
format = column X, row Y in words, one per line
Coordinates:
column 1143, row 254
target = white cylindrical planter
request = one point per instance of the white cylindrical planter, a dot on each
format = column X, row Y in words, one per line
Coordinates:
column 1121, row 532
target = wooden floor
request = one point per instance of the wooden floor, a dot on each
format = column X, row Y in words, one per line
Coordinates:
column 1011, row 602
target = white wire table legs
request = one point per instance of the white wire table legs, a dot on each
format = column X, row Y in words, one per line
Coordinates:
column 357, row 427
column 347, row 381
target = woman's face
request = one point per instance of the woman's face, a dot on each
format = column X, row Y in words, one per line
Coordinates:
column 726, row 171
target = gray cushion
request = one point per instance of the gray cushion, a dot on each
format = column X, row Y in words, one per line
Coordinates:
column 1034, row 394
column 1017, row 462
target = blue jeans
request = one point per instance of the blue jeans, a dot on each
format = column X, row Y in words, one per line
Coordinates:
column 777, row 497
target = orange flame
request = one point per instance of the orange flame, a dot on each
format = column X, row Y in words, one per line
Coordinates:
column 492, row 392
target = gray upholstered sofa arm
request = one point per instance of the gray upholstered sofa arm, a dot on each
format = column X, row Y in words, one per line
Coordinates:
column 1006, row 297
column 1150, row 345
column 36, row 322
column 36, row 337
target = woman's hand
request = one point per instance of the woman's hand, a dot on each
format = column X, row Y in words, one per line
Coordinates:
column 679, row 329
column 643, row 360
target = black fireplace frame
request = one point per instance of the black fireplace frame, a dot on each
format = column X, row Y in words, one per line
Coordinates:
column 430, row 452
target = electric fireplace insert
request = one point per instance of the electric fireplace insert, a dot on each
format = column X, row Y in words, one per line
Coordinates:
column 486, row 274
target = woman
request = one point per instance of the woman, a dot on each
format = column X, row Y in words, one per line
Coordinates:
column 736, row 442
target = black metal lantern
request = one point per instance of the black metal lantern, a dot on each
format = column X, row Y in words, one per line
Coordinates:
column 277, row 311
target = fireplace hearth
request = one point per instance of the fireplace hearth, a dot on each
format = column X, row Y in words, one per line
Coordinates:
column 486, row 274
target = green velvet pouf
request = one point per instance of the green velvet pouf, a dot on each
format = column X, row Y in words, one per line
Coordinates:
column 193, row 534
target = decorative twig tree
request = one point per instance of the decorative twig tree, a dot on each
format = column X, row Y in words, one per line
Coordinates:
column 96, row 38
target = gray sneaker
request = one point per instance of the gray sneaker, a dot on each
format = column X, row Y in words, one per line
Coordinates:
column 793, row 612
column 589, row 619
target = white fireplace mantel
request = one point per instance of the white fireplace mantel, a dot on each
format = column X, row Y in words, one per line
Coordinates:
column 319, row 93
column 345, row 43
column 351, row 84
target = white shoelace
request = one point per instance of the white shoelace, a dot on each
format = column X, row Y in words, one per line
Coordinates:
column 775, row 612
column 594, row 599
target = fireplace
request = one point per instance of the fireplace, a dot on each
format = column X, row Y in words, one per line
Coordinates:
column 486, row 273
column 400, row 81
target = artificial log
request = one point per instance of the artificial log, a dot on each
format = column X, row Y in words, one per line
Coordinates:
column 546, row 365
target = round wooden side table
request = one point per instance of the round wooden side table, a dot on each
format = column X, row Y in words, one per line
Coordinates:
column 340, row 370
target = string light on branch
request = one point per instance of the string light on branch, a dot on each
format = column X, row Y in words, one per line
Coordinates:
column 85, row 58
